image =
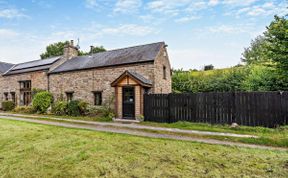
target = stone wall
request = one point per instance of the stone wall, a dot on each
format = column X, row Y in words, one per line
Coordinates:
column 84, row 82
column 162, row 85
column 11, row 83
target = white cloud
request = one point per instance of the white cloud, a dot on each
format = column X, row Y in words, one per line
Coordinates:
column 239, row 2
column 231, row 29
column 127, row 6
column 129, row 29
column 187, row 19
column 91, row 4
column 7, row 33
column 213, row 2
column 170, row 7
column 266, row 9
column 11, row 13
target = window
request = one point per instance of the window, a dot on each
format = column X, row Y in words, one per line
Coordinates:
column 164, row 72
column 6, row 97
column 13, row 97
column 25, row 85
column 69, row 96
column 25, row 92
column 97, row 98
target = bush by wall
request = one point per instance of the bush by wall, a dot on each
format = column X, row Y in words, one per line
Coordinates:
column 42, row 101
column 8, row 105
column 59, row 108
column 73, row 108
column 83, row 107
column 24, row 109
column 35, row 91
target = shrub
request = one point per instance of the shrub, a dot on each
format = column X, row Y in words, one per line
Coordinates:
column 59, row 108
column 100, row 112
column 24, row 109
column 8, row 105
column 35, row 91
column 42, row 101
column 83, row 107
column 73, row 108
column 104, row 111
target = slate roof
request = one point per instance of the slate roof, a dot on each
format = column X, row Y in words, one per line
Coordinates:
column 136, row 54
column 140, row 78
column 32, row 66
column 5, row 67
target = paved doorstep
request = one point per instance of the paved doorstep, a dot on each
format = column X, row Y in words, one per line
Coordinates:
column 123, row 130
column 136, row 126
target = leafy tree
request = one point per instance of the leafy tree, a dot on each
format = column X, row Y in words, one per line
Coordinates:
column 277, row 48
column 260, row 78
column 96, row 49
column 55, row 49
column 256, row 53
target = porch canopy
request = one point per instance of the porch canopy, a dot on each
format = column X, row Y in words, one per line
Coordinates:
column 138, row 78
column 129, row 89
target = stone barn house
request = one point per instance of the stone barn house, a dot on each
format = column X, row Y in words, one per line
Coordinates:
column 121, row 76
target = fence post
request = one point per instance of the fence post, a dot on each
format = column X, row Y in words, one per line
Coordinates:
column 234, row 107
column 169, row 108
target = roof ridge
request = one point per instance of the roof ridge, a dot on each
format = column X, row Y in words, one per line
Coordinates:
column 127, row 48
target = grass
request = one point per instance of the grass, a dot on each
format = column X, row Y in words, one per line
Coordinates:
column 32, row 150
column 85, row 118
column 267, row 136
column 277, row 137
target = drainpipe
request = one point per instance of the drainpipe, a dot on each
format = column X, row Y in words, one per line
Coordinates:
column 48, row 82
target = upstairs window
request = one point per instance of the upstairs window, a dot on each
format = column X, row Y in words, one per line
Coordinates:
column 25, row 85
column 164, row 72
column 6, row 97
column 97, row 98
column 69, row 96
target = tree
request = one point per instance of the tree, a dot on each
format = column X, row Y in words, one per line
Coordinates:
column 55, row 49
column 93, row 50
column 277, row 48
column 256, row 53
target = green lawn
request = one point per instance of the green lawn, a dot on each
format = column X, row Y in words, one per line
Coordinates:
column 267, row 136
column 32, row 150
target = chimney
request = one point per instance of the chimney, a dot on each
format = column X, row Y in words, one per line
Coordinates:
column 91, row 49
column 70, row 50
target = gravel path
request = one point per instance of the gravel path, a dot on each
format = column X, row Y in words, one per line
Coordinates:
column 135, row 126
column 135, row 132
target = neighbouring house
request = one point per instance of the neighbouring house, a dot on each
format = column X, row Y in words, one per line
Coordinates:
column 122, row 76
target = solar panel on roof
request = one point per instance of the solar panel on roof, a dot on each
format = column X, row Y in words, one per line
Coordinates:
column 35, row 63
column 5, row 67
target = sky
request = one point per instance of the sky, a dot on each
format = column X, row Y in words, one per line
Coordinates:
column 197, row 32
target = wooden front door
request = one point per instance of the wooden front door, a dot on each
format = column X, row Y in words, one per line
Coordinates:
column 128, row 102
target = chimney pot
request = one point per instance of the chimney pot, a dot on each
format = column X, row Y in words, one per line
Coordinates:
column 91, row 49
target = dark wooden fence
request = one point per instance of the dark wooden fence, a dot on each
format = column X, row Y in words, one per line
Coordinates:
column 245, row 108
